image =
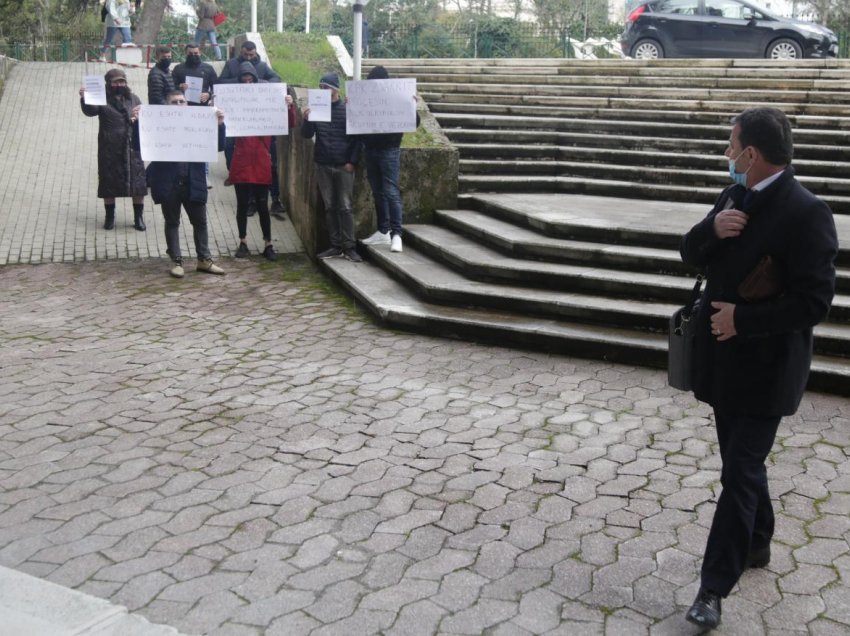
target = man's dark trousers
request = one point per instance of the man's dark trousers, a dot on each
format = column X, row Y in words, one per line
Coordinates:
column 744, row 518
column 197, row 217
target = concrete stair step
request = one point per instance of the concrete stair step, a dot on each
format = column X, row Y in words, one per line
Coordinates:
column 646, row 158
column 832, row 153
column 706, row 94
column 484, row 264
column 822, row 186
column 702, row 107
column 688, row 117
column 658, row 223
column 653, row 129
column 840, row 205
column 395, row 305
column 441, row 284
column 525, row 243
column 666, row 82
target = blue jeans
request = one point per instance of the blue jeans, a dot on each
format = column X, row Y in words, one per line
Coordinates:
column 382, row 168
column 126, row 36
column 210, row 35
column 336, row 187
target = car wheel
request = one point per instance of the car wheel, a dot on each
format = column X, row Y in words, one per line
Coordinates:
column 784, row 49
column 647, row 50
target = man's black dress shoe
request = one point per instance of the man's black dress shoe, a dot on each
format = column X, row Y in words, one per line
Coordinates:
column 759, row 557
column 705, row 611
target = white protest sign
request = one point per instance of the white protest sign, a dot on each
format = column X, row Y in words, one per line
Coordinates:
column 95, row 90
column 253, row 110
column 178, row 133
column 319, row 102
column 380, row 106
column 194, row 86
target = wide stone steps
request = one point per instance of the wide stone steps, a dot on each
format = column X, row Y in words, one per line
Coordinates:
column 607, row 187
column 694, row 108
column 646, row 172
column 577, row 182
column 687, row 117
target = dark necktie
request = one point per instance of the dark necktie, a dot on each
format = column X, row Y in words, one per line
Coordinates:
column 749, row 195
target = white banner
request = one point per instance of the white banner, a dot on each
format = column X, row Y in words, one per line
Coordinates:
column 380, row 106
column 253, row 110
column 95, row 90
column 319, row 101
column 178, row 133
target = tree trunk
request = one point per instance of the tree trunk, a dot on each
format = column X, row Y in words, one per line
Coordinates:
column 150, row 21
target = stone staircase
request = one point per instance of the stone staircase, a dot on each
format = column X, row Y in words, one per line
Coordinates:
column 578, row 179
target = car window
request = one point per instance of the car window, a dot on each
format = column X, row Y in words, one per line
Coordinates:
column 730, row 9
column 679, row 7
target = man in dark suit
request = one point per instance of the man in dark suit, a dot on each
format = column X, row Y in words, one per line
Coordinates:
column 768, row 249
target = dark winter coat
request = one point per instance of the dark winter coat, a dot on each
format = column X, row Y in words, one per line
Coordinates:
column 164, row 178
column 762, row 371
column 120, row 170
column 205, row 71
column 160, row 83
column 333, row 146
column 232, row 68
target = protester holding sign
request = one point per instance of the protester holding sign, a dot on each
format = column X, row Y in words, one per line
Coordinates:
column 251, row 175
column 194, row 67
column 180, row 183
column 120, row 171
column 383, row 166
column 335, row 154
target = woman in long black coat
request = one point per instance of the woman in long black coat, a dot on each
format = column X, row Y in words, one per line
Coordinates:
column 120, row 170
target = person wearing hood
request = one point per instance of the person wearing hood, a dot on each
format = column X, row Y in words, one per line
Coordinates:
column 160, row 82
column 335, row 155
column 247, row 53
column 383, row 167
column 120, row 170
column 251, row 175
column 194, row 67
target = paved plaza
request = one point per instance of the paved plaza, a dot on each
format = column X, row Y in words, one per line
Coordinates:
column 252, row 454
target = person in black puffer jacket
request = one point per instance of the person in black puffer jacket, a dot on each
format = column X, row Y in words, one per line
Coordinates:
column 160, row 82
column 335, row 155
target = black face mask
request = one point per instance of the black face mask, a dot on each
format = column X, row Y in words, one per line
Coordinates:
column 193, row 60
column 120, row 91
column 164, row 64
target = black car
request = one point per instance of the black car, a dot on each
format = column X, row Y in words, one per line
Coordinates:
column 720, row 28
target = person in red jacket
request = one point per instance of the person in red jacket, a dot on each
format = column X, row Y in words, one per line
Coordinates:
column 251, row 175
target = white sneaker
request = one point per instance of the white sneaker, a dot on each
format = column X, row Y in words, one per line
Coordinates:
column 378, row 238
column 177, row 270
column 396, row 243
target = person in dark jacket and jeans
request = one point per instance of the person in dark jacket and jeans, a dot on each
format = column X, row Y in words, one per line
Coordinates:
column 383, row 167
column 768, row 249
column 120, row 170
column 160, row 82
column 194, row 67
column 335, row 155
column 181, row 183
column 251, row 175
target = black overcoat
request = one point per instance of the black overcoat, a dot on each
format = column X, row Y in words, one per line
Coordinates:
column 120, row 170
column 762, row 371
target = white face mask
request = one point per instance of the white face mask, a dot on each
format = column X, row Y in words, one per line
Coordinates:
column 738, row 177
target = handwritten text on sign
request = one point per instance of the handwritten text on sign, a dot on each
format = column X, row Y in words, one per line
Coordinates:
column 380, row 106
column 253, row 110
column 178, row 133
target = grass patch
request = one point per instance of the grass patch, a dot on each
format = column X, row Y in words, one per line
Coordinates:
column 419, row 138
column 301, row 58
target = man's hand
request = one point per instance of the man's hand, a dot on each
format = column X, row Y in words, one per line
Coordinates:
column 219, row 114
column 288, row 100
column 183, row 86
column 723, row 321
column 82, row 92
column 205, row 97
column 306, row 114
column 729, row 223
column 349, row 167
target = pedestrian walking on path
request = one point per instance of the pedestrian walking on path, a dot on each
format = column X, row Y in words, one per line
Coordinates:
column 768, row 249
column 120, row 170
column 176, row 184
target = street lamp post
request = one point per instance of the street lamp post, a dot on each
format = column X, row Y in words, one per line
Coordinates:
column 357, row 45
